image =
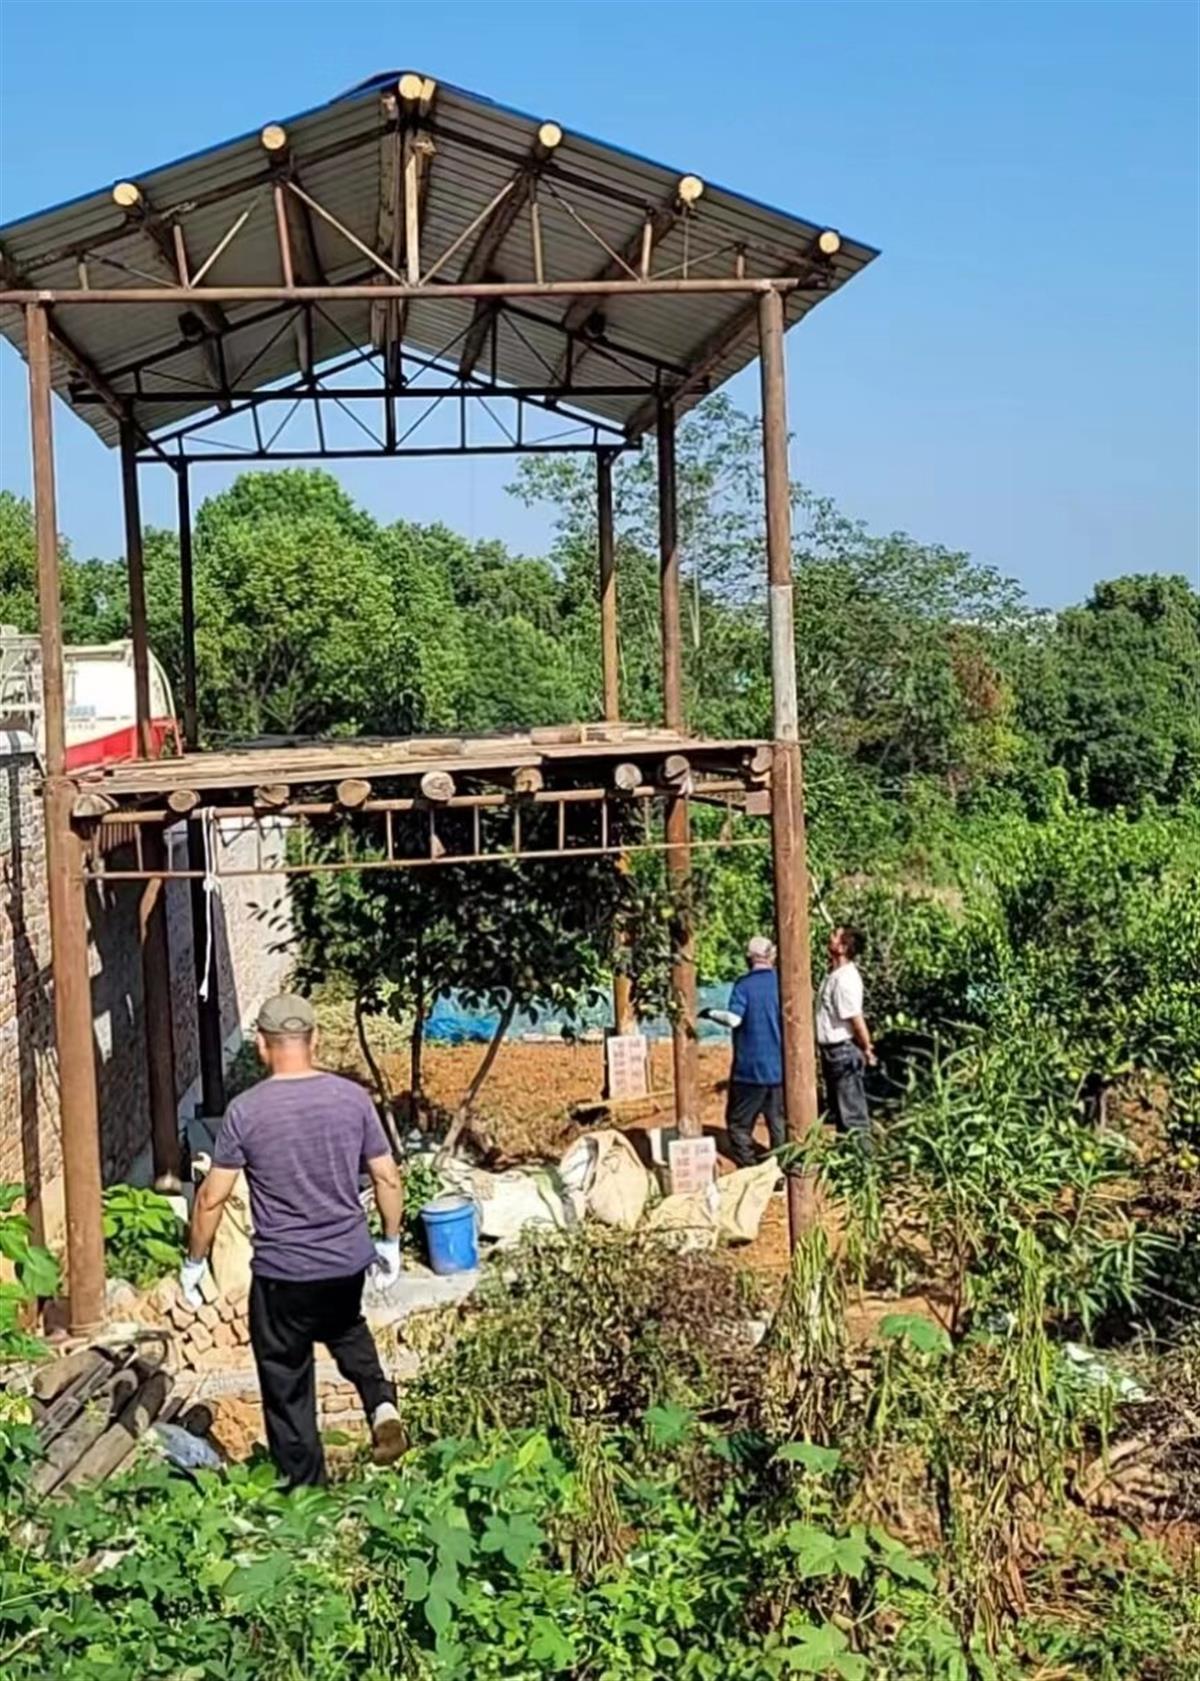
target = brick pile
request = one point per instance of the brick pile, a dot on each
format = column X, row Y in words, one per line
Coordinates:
column 214, row 1338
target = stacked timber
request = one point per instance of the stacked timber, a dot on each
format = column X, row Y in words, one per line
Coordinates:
column 91, row 1408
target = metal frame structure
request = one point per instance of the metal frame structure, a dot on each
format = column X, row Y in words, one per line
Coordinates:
column 464, row 285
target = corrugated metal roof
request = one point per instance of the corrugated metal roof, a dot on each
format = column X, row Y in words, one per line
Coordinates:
column 338, row 153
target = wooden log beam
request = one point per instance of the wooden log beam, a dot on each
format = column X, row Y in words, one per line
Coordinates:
column 528, row 779
column 109, row 1450
column 491, row 237
column 170, row 243
column 353, row 792
column 627, row 777
column 272, row 796
column 183, row 800
column 90, row 805
column 437, row 786
column 407, row 149
column 636, row 255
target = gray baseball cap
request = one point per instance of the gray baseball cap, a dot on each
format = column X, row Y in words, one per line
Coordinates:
column 287, row 1012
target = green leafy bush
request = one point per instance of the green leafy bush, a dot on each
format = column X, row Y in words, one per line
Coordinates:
column 143, row 1235
column 35, row 1274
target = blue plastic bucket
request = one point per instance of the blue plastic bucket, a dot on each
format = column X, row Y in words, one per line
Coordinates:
column 449, row 1223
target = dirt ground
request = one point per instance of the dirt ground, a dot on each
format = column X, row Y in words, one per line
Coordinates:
column 539, row 1098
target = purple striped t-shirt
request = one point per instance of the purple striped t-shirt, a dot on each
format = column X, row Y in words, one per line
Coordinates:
column 304, row 1143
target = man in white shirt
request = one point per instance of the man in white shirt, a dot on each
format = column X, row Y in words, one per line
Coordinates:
column 844, row 1039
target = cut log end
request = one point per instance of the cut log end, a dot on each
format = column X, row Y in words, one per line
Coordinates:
column 353, row 792
column 627, row 777
column 271, row 796
column 92, row 806
column 183, row 800
column 528, row 779
column 437, row 786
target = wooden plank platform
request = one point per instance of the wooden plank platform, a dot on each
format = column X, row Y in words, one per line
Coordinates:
column 296, row 762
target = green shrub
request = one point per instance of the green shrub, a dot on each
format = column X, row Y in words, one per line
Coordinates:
column 143, row 1235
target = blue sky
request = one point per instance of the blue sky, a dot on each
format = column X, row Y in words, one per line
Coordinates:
column 1017, row 375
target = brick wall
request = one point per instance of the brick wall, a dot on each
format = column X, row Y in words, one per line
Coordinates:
column 249, row 923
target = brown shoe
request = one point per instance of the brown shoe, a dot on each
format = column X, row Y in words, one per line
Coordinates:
column 391, row 1438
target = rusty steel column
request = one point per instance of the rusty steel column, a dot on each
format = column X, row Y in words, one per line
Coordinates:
column 78, row 1109
column 610, row 658
column 609, row 643
column 187, row 596
column 685, row 1051
column 208, row 1009
column 152, row 908
column 788, row 840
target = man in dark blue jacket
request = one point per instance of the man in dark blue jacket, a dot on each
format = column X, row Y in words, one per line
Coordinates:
column 756, row 1080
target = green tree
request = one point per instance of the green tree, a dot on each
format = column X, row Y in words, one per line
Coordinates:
column 296, row 622
column 1115, row 691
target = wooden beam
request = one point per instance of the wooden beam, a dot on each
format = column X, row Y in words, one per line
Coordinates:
column 659, row 223
column 406, row 150
column 170, row 243
column 491, row 237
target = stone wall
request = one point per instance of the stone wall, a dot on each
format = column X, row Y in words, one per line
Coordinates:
column 249, row 925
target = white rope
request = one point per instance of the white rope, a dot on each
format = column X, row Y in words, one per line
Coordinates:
column 212, row 890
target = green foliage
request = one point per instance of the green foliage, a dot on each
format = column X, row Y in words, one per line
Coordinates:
column 1116, row 692
column 143, row 1235
column 35, row 1274
column 596, row 1326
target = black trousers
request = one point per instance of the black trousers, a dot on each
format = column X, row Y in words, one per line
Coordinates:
column 286, row 1318
column 744, row 1105
column 842, row 1069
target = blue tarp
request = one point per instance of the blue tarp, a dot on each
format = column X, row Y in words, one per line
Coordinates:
column 454, row 1023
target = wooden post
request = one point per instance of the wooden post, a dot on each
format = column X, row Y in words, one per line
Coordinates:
column 78, row 1107
column 788, row 840
column 209, row 1039
column 152, row 909
column 679, row 851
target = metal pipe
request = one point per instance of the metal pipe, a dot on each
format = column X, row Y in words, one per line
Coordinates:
column 536, row 855
column 236, row 458
column 426, row 291
column 788, row 838
column 209, row 1038
column 136, row 582
column 205, row 964
column 187, row 589
column 152, row 913
column 623, row 1016
column 490, row 392
column 609, row 636
column 684, row 1045
column 78, row 1110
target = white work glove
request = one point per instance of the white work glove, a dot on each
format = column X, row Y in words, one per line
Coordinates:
column 387, row 1259
column 190, row 1274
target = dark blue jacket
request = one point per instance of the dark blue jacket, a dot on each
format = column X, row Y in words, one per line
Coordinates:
column 758, row 1042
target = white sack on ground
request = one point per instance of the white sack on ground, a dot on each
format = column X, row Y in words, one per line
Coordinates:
column 605, row 1167
column 509, row 1203
column 742, row 1199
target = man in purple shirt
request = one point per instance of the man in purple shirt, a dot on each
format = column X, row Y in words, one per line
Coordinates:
column 304, row 1138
